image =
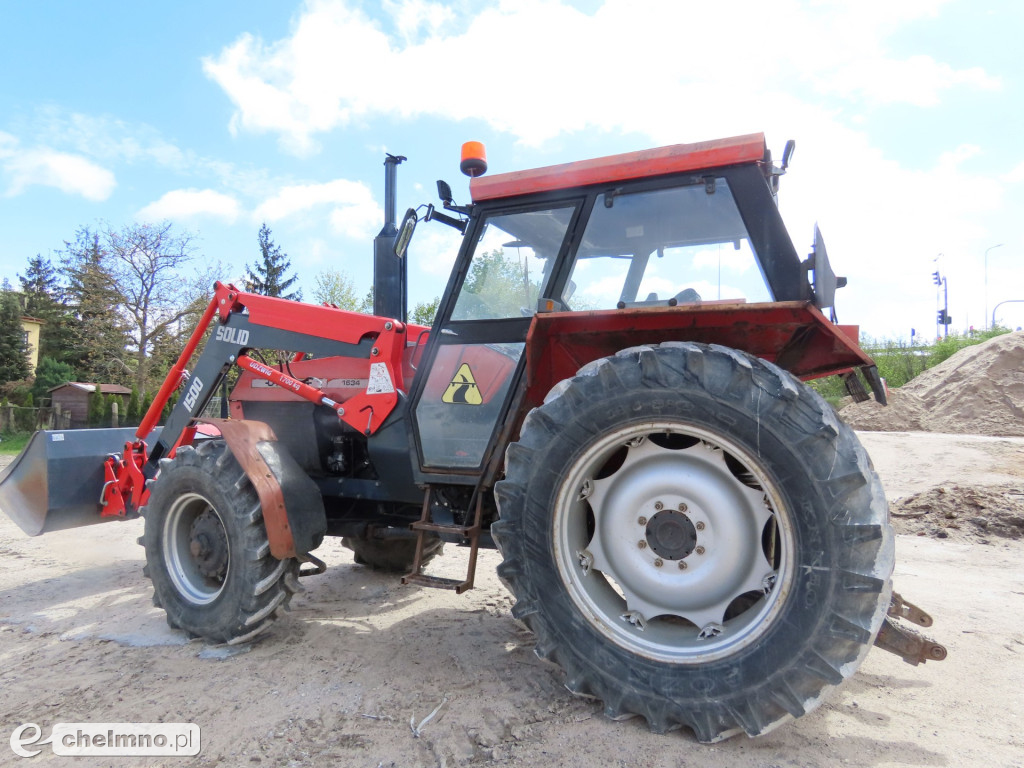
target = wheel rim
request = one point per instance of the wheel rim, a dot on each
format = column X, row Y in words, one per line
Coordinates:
column 195, row 549
column 673, row 542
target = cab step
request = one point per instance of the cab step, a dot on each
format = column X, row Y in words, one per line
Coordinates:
column 470, row 533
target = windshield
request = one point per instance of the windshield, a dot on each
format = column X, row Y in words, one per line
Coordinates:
column 686, row 244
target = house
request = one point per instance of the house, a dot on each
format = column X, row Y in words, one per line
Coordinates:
column 73, row 398
column 32, row 327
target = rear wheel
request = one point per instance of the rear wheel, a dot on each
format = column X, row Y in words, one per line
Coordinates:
column 695, row 538
column 207, row 551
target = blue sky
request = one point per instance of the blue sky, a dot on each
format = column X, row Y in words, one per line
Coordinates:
column 219, row 116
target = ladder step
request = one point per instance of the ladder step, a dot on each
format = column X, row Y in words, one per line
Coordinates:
column 462, row 530
column 437, row 582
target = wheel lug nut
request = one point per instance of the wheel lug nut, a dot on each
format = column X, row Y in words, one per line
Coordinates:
column 699, row 550
column 658, row 505
column 682, row 507
column 699, row 526
column 642, row 520
column 642, row 544
column 682, row 565
column 658, row 563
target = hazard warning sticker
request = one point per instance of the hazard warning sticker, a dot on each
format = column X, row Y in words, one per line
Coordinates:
column 463, row 389
column 380, row 381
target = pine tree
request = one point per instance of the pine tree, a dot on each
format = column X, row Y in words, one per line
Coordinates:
column 133, row 415
column 13, row 349
column 43, row 297
column 96, row 408
column 100, row 336
column 268, row 275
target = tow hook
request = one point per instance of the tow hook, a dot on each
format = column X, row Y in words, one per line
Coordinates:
column 913, row 647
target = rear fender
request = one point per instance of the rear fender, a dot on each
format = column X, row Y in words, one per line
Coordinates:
column 293, row 509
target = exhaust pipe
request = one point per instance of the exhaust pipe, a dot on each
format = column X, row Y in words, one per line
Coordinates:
column 390, row 290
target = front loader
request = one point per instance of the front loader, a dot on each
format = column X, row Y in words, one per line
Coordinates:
column 611, row 393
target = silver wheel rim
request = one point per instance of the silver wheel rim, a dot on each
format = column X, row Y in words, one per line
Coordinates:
column 673, row 542
column 183, row 567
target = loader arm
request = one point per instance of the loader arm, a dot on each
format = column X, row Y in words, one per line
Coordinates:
column 241, row 321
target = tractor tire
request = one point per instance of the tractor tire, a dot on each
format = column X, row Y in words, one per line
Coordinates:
column 207, row 551
column 395, row 555
column 695, row 538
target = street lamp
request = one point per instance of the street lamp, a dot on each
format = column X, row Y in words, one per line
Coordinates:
column 990, row 248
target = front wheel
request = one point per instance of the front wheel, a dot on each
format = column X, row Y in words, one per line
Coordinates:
column 695, row 538
column 207, row 551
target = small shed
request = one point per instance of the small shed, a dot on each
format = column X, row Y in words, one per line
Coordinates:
column 73, row 398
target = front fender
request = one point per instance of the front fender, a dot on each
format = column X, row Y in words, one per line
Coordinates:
column 293, row 509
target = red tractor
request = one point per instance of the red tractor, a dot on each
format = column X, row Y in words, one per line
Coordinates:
column 611, row 393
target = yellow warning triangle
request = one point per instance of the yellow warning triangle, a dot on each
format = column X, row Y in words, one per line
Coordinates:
column 463, row 389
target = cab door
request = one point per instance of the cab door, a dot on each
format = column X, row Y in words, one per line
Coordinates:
column 475, row 355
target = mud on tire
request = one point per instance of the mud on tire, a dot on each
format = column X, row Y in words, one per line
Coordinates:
column 207, row 551
column 695, row 538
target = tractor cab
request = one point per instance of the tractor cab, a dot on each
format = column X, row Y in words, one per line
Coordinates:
column 695, row 249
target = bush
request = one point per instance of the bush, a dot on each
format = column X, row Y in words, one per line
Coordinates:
column 49, row 374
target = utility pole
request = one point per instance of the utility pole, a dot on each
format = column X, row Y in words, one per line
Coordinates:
column 942, row 314
column 991, row 248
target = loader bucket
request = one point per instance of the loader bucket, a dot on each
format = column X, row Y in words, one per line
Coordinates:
column 56, row 481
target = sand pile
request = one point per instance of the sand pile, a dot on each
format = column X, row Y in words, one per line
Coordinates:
column 979, row 514
column 979, row 390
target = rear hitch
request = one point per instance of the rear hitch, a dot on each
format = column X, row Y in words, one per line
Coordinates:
column 913, row 647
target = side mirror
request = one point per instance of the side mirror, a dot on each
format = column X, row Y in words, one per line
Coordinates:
column 825, row 279
column 787, row 153
column 444, row 191
column 405, row 233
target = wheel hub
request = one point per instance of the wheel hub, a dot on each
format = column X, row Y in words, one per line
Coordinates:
column 671, row 535
column 195, row 549
column 665, row 545
column 209, row 545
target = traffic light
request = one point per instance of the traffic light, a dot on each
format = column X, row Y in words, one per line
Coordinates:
column 936, row 277
column 944, row 317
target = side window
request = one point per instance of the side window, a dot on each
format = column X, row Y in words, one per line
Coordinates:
column 511, row 263
column 685, row 243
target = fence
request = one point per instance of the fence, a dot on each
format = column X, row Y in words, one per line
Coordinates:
column 14, row 418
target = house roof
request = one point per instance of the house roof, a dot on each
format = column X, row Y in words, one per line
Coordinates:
column 105, row 389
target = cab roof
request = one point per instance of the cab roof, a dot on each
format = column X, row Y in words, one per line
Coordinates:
column 677, row 158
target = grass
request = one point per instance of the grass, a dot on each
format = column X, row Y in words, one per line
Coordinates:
column 11, row 443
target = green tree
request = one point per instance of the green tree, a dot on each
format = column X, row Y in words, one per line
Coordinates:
column 43, row 297
column 13, row 348
column 496, row 286
column 50, row 373
column 100, row 335
column 96, row 410
column 268, row 275
column 424, row 312
column 332, row 286
column 134, row 413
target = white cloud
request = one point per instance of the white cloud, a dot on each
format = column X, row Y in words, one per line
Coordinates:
column 918, row 80
column 191, row 203
column 46, row 167
column 338, row 65
column 354, row 212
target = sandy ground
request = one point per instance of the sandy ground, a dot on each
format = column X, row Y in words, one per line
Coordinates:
column 339, row 678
